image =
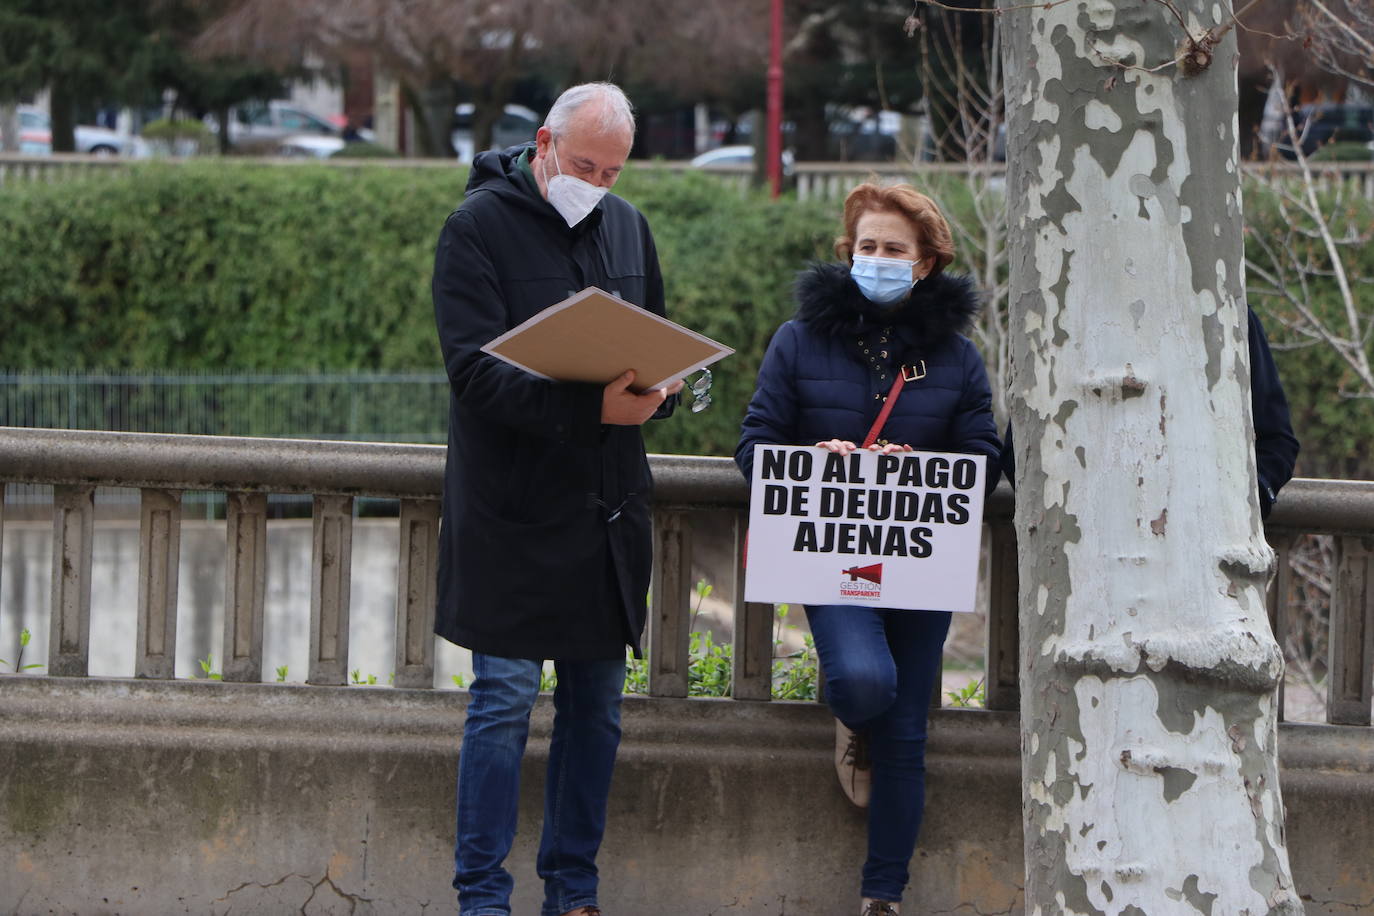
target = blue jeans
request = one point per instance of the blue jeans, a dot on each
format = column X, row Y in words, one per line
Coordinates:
column 880, row 668
column 586, row 733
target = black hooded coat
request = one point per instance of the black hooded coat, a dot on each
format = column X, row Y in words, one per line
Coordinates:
column 827, row 371
column 544, row 549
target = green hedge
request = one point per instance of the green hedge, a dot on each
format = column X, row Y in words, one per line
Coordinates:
column 231, row 266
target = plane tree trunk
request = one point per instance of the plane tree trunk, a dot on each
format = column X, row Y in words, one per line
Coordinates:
column 1149, row 670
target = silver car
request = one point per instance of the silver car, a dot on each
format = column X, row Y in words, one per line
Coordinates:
column 35, row 126
column 269, row 123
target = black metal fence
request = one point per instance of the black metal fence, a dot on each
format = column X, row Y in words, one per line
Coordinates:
column 358, row 406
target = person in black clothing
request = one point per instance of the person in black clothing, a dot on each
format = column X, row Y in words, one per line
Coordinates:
column 1276, row 448
column 545, row 550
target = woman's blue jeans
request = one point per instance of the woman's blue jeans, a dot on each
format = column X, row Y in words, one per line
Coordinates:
column 586, row 733
column 880, row 669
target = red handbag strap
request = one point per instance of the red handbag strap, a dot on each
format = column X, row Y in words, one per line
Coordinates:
column 891, row 399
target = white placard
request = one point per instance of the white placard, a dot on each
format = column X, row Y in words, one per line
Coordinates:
column 892, row 531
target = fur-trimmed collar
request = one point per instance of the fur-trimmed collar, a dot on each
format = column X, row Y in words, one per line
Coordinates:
column 829, row 301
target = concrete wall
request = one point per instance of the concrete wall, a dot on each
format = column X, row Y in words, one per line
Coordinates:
column 133, row 797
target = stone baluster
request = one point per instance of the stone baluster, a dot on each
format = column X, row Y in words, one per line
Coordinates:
column 669, row 619
column 73, row 527
column 245, row 585
column 159, row 553
column 415, row 592
column 331, row 566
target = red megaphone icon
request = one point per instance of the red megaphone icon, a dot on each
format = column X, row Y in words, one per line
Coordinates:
column 872, row 573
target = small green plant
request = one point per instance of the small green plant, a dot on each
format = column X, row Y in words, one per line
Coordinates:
column 206, row 665
column 459, row 681
column 24, row 637
column 796, row 676
column 636, row 674
column 710, row 670
column 703, row 590
column 356, row 678
column 281, row 674
column 548, row 680
column 971, row 694
column 710, row 666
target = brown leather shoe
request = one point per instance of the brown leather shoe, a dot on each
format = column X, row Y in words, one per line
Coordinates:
column 852, row 764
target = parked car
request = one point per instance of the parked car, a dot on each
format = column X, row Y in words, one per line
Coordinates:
column 269, row 123
column 517, row 124
column 35, row 130
column 734, row 157
column 310, row 146
column 1315, row 126
column 34, row 142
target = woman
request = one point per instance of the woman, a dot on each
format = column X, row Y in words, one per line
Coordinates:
column 889, row 308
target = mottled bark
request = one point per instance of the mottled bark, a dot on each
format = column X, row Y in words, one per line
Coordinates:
column 1149, row 671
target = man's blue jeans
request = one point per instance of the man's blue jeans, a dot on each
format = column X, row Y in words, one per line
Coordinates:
column 880, row 668
column 586, row 733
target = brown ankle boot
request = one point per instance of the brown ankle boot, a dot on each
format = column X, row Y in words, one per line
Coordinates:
column 852, row 764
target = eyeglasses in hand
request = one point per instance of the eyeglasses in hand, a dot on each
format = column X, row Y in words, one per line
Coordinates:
column 701, row 391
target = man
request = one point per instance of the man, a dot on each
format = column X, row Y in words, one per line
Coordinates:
column 1276, row 448
column 545, row 548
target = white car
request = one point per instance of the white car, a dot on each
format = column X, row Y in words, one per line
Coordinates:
column 735, row 158
column 35, row 128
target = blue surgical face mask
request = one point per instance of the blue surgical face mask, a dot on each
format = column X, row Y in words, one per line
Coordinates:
column 883, row 281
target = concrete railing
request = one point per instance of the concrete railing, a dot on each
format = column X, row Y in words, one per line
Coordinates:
column 164, row 795
column 336, row 473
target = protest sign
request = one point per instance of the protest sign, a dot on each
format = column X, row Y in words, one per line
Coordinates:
column 893, row 531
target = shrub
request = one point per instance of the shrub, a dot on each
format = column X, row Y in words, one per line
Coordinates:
column 180, row 137
column 1344, row 151
column 363, row 149
column 225, row 265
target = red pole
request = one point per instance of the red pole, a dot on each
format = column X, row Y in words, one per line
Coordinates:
column 775, row 101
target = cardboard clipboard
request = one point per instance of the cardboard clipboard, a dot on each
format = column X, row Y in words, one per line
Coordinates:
column 593, row 336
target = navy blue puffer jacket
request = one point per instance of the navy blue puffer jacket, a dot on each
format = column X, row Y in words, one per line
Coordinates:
column 827, row 371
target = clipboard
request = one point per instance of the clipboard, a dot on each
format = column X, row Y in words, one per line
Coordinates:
column 593, row 336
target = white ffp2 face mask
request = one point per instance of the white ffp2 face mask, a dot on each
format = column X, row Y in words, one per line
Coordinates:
column 572, row 197
column 883, row 281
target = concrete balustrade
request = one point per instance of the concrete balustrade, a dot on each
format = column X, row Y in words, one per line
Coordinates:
column 158, row 795
column 334, row 473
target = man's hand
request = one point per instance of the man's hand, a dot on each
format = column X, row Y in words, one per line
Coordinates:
column 622, row 407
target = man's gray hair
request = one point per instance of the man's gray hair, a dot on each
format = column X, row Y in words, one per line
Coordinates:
column 611, row 110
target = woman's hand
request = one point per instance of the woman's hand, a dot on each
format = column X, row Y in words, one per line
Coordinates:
column 890, row 448
column 839, row 446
